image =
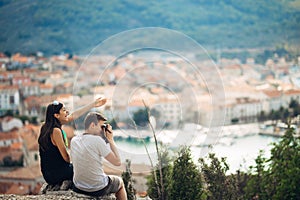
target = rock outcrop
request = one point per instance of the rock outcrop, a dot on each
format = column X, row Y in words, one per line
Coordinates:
column 55, row 195
column 56, row 192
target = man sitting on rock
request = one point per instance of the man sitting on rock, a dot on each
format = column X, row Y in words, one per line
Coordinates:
column 87, row 152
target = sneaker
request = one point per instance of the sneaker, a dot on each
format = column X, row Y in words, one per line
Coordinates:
column 55, row 187
column 66, row 184
column 43, row 188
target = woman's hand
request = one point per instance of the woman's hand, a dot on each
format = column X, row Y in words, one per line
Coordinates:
column 100, row 101
column 97, row 103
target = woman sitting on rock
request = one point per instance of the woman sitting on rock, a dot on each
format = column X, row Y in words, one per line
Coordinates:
column 54, row 158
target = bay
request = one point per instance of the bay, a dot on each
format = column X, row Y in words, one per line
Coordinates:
column 240, row 152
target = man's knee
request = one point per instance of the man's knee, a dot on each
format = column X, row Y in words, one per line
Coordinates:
column 121, row 183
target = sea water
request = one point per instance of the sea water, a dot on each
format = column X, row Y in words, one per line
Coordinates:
column 240, row 152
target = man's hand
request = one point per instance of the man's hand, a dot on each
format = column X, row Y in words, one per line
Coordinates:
column 109, row 133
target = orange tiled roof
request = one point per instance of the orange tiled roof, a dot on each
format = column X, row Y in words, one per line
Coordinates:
column 8, row 87
column 47, row 99
column 136, row 103
column 29, row 173
column 16, row 145
column 119, row 72
column 19, row 58
column 157, row 90
column 272, row 93
column 2, row 55
column 32, row 100
column 7, row 151
column 22, row 78
column 19, row 189
column 30, row 134
column 4, row 186
column 11, row 73
column 71, row 63
column 31, row 84
column 13, row 134
column 31, row 70
column 16, row 154
column 46, row 86
column 44, row 74
column 292, row 92
column 4, row 152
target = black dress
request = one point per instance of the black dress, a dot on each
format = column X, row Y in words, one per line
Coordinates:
column 54, row 168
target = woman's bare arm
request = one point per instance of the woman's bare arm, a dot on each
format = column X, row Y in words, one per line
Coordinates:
column 97, row 103
column 57, row 140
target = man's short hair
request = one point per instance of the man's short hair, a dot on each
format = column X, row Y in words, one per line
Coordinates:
column 93, row 117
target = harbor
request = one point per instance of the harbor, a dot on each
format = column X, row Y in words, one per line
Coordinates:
column 239, row 144
column 276, row 129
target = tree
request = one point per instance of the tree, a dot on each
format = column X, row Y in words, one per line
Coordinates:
column 239, row 181
column 256, row 186
column 128, row 181
column 284, row 170
column 274, row 115
column 294, row 105
column 262, row 116
column 186, row 177
column 219, row 186
column 279, row 176
column 166, row 171
column 113, row 124
column 141, row 117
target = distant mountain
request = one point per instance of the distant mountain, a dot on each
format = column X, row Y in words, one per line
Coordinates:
column 76, row 26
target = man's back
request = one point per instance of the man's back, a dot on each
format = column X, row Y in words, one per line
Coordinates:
column 86, row 154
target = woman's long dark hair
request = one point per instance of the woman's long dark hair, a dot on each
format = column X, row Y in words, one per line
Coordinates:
column 51, row 122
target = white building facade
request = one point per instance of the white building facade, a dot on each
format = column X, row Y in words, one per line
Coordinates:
column 9, row 99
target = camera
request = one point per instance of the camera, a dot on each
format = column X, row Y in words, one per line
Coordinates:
column 105, row 128
column 103, row 134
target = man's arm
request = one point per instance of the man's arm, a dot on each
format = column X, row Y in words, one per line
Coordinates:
column 113, row 157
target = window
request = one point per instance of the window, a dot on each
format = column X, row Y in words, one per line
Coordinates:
column 11, row 99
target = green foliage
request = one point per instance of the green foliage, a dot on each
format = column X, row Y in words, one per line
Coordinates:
column 186, row 178
column 140, row 117
column 280, row 52
column 166, row 171
column 60, row 26
column 128, row 182
column 262, row 116
column 113, row 124
column 295, row 106
column 284, row 169
column 283, row 114
column 238, row 182
column 219, row 186
column 278, row 177
column 256, row 186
